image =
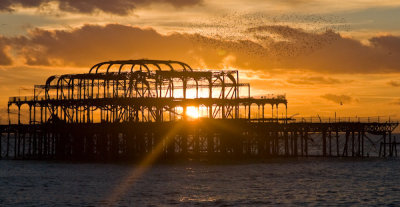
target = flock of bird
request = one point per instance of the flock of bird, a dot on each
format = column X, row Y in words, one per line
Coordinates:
column 274, row 36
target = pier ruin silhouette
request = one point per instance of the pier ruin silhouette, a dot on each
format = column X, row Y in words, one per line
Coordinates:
column 130, row 109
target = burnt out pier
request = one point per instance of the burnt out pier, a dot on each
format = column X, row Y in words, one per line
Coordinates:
column 132, row 109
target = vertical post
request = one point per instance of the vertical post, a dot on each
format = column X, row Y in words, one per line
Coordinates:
column 337, row 143
column 352, row 143
column 237, row 84
column 295, row 143
column 223, row 97
column 237, row 94
column 272, row 110
column 276, row 144
column 286, row 143
column 330, row 142
column 8, row 142
column 30, row 114
column 8, row 131
column 359, row 144
column 345, row 153
column 384, row 144
column 23, row 145
column 301, row 143
column 306, row 143
column 41, row 115
column 19, row 144
column 249, row 112
column 184, row 98
column 263, row 117
column 395, row 146
column 324, row 143
column 286, row 120
column 390, row 144
column 210, row 111
column 15, row 145
column 362, row 143
column 19, row 114
column 277, row 113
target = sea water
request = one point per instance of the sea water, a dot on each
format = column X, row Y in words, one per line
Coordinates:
column 284, row 182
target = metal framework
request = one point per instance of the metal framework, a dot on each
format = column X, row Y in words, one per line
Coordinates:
column 144, row 91
column 132, row 108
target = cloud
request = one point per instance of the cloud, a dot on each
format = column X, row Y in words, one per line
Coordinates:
column 92, row 43
column 4, row 57
column 118, row 7
column 312, row 80
column 339, row 99
column 289, row 49
column 7, row 5
column 394, row 83
column 389, row 44
column 330, row 52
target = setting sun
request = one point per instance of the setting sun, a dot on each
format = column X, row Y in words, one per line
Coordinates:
column 192, row 112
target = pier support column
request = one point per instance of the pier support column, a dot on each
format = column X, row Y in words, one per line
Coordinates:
column 359, row 144
column 390, row 144
column 23, row 145
column 8, row 143
column 352, row 143
column 302, row 143
column 362, row 143
column 286, row 137
column 337, row 144
column 384, row 144
column 330, row 143
column 295, row 136
column 345, row 153
column 306, row 143
column 15, row 144
column 324, row 143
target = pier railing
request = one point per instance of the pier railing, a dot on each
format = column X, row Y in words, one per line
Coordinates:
column 355, row 119
column 316, row 119
column 16, row 99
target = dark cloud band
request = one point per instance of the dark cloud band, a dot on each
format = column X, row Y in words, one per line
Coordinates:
column 118, row 7
column 327, row 52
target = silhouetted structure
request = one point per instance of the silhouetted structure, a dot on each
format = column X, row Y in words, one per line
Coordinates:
column 135, row 108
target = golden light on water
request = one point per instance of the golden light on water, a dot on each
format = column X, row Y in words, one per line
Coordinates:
column 142, row 167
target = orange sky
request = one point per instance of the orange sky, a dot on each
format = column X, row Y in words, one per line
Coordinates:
column 326, row 57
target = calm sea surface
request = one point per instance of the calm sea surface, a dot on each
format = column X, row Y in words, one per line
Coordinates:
column 305, row 182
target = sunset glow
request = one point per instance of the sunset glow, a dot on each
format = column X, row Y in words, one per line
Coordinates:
column 199, row 102
column 325, row 58
column 192, row 112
